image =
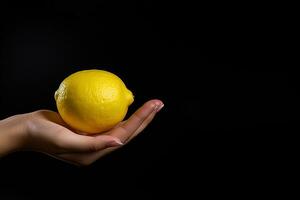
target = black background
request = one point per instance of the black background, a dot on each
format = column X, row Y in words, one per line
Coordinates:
column 230, row 115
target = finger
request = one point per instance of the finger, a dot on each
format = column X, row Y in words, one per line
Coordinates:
column 67, row 159
column 83, row 158
column 73, row 142
column 127, row 129
column 78, row 159
column 146, row 122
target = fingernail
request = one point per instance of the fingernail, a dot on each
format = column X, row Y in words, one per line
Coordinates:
column 159, row 107
column 116, row 143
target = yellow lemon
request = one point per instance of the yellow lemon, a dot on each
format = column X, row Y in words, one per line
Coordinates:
column 92, row 101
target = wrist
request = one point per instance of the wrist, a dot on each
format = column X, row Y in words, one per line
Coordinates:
column 13, row 134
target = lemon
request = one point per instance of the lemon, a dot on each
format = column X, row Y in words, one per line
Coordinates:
column 93, row 101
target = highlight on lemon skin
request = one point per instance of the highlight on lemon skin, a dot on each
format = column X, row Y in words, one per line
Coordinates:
column 93, row 101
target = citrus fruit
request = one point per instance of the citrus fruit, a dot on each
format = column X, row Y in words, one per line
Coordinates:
column 92, row 101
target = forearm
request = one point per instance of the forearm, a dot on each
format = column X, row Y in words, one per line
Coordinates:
column 12, row 134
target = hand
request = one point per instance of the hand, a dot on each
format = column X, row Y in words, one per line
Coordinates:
column 46, row 132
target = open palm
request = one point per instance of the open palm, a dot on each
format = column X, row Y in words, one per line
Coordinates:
column 49, row 134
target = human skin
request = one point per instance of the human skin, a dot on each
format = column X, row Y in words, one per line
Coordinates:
column 45, row 131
